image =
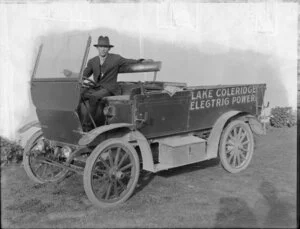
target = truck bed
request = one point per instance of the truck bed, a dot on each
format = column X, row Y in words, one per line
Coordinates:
column 195, row 108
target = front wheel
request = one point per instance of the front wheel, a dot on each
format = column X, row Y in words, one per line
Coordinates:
column 40, row 170
column 236, row 146
column 111, row 173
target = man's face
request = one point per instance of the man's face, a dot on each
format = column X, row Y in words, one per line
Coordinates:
column 103, row 51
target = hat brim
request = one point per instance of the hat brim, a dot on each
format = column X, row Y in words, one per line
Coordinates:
column 109, row 46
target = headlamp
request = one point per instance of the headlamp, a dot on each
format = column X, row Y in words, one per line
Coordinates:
column 40, row 146
column 66, row 150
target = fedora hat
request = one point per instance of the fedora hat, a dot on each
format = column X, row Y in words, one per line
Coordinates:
column 103, row 42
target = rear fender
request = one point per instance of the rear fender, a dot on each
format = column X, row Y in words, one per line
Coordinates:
column 215, row 134
column 255, row 125
column 28, row 126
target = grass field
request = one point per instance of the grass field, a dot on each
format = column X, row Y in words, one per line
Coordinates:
column 198, row 195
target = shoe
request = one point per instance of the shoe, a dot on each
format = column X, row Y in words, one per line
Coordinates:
column 87, row 127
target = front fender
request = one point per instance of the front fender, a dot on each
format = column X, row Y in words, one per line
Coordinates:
column 28, row 126
column 90, row 136
column 133, row 135
column 146, row 153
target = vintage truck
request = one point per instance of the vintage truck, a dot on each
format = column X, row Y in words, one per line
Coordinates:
column 151, row 125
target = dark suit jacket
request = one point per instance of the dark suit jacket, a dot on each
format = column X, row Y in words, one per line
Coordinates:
column 105, row 75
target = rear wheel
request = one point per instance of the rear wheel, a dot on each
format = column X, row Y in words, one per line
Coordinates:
column 111, row 173
column 40, row 170
column 236, row 146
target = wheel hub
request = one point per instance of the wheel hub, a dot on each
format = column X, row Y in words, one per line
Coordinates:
column 114, row 173
column 236, row 145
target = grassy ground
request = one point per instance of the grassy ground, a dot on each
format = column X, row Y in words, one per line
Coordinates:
column 199, row 195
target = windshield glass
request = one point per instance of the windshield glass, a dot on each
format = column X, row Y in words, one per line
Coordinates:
column 61, row 55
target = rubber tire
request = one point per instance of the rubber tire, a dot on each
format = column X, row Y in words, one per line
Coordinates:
column 26, row 163
column 88, row 171
column 222, row 143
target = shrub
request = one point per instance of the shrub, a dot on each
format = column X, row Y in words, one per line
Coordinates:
column 282, row 116
column 10, row 151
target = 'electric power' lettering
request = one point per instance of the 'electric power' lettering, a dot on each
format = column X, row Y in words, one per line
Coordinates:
column 210, row 98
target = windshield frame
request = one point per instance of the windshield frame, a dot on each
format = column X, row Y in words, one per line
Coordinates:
column 77, row 76
column 86, row 54
column 37, row 61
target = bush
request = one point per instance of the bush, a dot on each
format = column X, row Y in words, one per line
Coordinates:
column 282, row 116
column 10, row 151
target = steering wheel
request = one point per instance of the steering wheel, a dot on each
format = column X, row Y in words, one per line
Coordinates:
column 89, row 84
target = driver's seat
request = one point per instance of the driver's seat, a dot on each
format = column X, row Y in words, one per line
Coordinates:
column 127, row 87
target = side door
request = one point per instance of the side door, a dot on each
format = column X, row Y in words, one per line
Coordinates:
column 56, row 101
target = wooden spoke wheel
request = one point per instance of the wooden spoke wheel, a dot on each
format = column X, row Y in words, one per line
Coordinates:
column 236, row 146
column 111, row 173
column 40, row 170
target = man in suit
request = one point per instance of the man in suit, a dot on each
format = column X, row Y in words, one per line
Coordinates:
column 105, row 68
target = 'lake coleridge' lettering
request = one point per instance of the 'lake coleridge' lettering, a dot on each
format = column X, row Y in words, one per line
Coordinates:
column 218, row 97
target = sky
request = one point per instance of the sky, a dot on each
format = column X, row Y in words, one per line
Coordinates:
column 198, row 43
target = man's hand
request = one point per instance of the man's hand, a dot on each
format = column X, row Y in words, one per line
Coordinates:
column 67, row 73
column 146, row 60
